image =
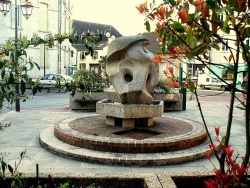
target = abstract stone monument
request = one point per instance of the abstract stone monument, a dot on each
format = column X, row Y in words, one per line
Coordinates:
column 139, row 133
column 133, row 77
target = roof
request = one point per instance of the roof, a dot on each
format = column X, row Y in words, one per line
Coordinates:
column 82, row 26
column 154, row 46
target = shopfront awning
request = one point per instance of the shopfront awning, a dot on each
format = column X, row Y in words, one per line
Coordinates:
column 243, row 68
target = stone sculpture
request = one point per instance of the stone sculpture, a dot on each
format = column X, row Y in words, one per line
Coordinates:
column 132, row 74
column 133, row 77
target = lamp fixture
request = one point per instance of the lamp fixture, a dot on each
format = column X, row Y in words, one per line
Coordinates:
column 27, row 9
column 5, row 6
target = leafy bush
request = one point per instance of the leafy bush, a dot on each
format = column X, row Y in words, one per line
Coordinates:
column 87, row 81
column 162, row 87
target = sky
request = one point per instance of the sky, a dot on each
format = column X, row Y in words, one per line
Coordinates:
column 121, row 14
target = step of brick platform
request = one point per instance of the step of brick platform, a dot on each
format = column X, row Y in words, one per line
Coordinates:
column 84, row 144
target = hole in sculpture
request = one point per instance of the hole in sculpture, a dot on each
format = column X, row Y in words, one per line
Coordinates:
column 128, row 77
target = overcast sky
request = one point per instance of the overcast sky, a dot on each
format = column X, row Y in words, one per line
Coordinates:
column 121, row 14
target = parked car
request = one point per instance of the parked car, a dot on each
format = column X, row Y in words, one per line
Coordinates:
column 208, row 82
column 55, row 80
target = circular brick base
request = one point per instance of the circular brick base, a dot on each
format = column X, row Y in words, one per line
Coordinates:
column 169, row 141
column 166, row 134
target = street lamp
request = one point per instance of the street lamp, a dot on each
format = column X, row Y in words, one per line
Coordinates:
column 27, row 11
column 5, row 6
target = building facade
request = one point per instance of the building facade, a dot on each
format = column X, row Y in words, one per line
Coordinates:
column 48, row 18
column 80, row 57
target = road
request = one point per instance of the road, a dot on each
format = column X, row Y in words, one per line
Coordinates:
column 55, row 99
column 213, row 95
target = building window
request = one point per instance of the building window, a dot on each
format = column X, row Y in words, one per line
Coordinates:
column 95, row 67
column 82, row 66
column 221, row 17
column 13, row 15
column 43, row 17
column 224, row 46
column 247, row 42
column 82, row 56
column 95, row 55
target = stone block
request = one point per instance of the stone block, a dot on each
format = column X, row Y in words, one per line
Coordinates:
column 172, row 101
column 125, row 111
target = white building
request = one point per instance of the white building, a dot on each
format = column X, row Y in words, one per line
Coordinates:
column 79, row 58
column 48, row 17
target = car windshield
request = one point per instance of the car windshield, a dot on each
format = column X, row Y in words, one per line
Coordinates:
column 48, row 77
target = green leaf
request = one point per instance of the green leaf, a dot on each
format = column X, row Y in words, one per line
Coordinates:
column 216, row 46
column 211, row 4
column 197, row 50
column 160, row 32
column 191, row 96
column 10, row 169
column 41, row 41
column 3, row 88
column 191, row 86
column 246, row 33
column 37, row 66
column 178, row 27
column 172, row 2
column 34, row 90
column 23, row 52
column 147, row 24
column 1, row 102
column 3, row 165
column 11, row 78
column 23, row 86
column 3, row 74
column 26, row 44
column 22, row 155
column 31, row 66
column 204, row 24
column 163, row 49
column 1, row 64
column 225, row 24
column 223, row 9
column 190, row 36
column 87, row 53
column 170, row 39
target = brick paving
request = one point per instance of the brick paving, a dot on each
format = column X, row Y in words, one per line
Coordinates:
column 167, row 134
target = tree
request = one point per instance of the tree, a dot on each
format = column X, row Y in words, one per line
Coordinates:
column 192, row 28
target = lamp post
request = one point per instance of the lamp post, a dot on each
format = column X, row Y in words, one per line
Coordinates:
column 26, row 11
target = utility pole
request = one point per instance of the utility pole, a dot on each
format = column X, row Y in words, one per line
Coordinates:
column 17, row 103
column 59, row 32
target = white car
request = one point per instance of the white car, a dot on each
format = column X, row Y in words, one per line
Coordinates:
column 55, row 79
column 208, row 82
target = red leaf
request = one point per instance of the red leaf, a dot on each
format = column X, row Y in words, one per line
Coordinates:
column 171, row 70
column 230, row 57
column 157, row 58
column 183, row 15
column 217, row 130
column 225, row 58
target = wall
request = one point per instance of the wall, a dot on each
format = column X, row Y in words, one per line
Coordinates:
column 37, row 24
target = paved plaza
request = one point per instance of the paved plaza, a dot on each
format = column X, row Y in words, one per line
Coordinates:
column 26, row 126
